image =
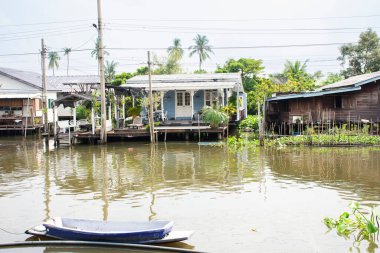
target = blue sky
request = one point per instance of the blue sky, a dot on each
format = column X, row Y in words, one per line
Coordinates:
column 154, row 24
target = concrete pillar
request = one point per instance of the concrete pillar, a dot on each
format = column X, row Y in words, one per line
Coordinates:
column 93, row 120
column 192, row 102
column 162, row 105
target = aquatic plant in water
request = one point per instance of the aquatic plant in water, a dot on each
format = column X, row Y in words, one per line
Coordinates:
column 363, row 223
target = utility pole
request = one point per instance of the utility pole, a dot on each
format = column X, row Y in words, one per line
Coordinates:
column 151, row 121
column 103, row 131
column 44, row 96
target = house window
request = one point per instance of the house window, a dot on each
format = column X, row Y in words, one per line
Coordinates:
column 179, row 99
column 211, row 98
column 187, row 98
column 338, row 102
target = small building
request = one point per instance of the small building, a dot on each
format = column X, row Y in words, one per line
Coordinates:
column 21, row 97
column 182, row 96
column 353, row 100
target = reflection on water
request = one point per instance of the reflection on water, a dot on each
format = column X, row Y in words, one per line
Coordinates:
column 233, row 200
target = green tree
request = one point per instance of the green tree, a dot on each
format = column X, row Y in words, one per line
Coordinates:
column 249, row 69
column 121, row 78
column 53, row 61
column 201, row 48
column 110, row 71
column 176, row 52
column 141, row 71
column 297, row 76
column 332, row 78
column 67, row 51
column 95, row 51
column 165, row 65
column 363, row 57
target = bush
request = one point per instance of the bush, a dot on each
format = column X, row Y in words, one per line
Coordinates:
column 134, row 112
column 251, row 122
column 214, row 117
column 82, row 112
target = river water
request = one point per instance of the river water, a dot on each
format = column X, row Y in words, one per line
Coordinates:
column 256, row 200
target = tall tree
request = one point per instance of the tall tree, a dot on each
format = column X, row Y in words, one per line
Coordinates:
column 295, row 69
column 201, row 48
column 332, row 78
column 298, row 77
column 110, row 71
column 95, row 51
column 53, row 61
column 363, row 57
column 248, row 68
column 67, row 51
column 176, row 52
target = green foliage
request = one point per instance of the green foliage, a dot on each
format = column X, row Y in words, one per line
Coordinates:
column 298, row 78
column 326, row 139
column 248, row 67
column 110, row 71
column 142, row 71
column 235, row 143
column 251, row 122
column 166, row 65
column 82, row 112
column 202, row 48
column 362, row 222
column 122, row 78
column 214, row 117
column 53, row 60
column 363, row 57
column 200, row 71
column 175, row 52
column 95, row 51
column 332, row 78
column 134, row 112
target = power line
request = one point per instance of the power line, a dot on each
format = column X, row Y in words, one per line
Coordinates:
column 214, row 48
column 249, row 19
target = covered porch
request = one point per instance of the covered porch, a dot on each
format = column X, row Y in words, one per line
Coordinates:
column 181, row 97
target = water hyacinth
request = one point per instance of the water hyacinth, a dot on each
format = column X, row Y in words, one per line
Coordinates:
column 362, row 222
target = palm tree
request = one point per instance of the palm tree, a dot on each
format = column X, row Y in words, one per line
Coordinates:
column 175, row 51
column 110, row 71
column 95, row 51
column 67, row 51
column 295, row 69
column 53, row 60
column 202, row 48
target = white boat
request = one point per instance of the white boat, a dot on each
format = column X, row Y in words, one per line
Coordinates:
column 143, row 232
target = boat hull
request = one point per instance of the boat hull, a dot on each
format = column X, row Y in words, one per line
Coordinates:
column 90, row 230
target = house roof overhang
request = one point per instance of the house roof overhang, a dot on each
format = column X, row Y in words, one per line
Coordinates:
column 69, row 100
column 313, row 94
column 187, row 82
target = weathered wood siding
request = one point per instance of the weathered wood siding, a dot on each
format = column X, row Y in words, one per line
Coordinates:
column 340, row 107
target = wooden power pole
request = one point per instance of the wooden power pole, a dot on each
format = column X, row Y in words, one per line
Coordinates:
column 44, row 96
column 103, row 130
column 151, row 121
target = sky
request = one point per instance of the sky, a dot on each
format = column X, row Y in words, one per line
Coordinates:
column 266, row 30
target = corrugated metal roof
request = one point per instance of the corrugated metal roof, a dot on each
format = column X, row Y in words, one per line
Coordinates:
column 70, row 83
column 354, row 81
column 27, row 77
column 186, row 81
column 54, row 83
column 350, row 84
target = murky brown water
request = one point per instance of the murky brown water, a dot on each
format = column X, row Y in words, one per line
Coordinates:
column 251, row 201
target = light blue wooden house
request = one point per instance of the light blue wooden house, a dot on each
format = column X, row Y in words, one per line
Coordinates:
column 182, row 96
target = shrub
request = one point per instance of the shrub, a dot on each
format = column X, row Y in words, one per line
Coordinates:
column 250, row 122
column 214, row 117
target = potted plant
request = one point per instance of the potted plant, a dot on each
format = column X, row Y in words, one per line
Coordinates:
column 214, row 117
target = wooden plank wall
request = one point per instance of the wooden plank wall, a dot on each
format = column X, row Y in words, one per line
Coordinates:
column 356, row 106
